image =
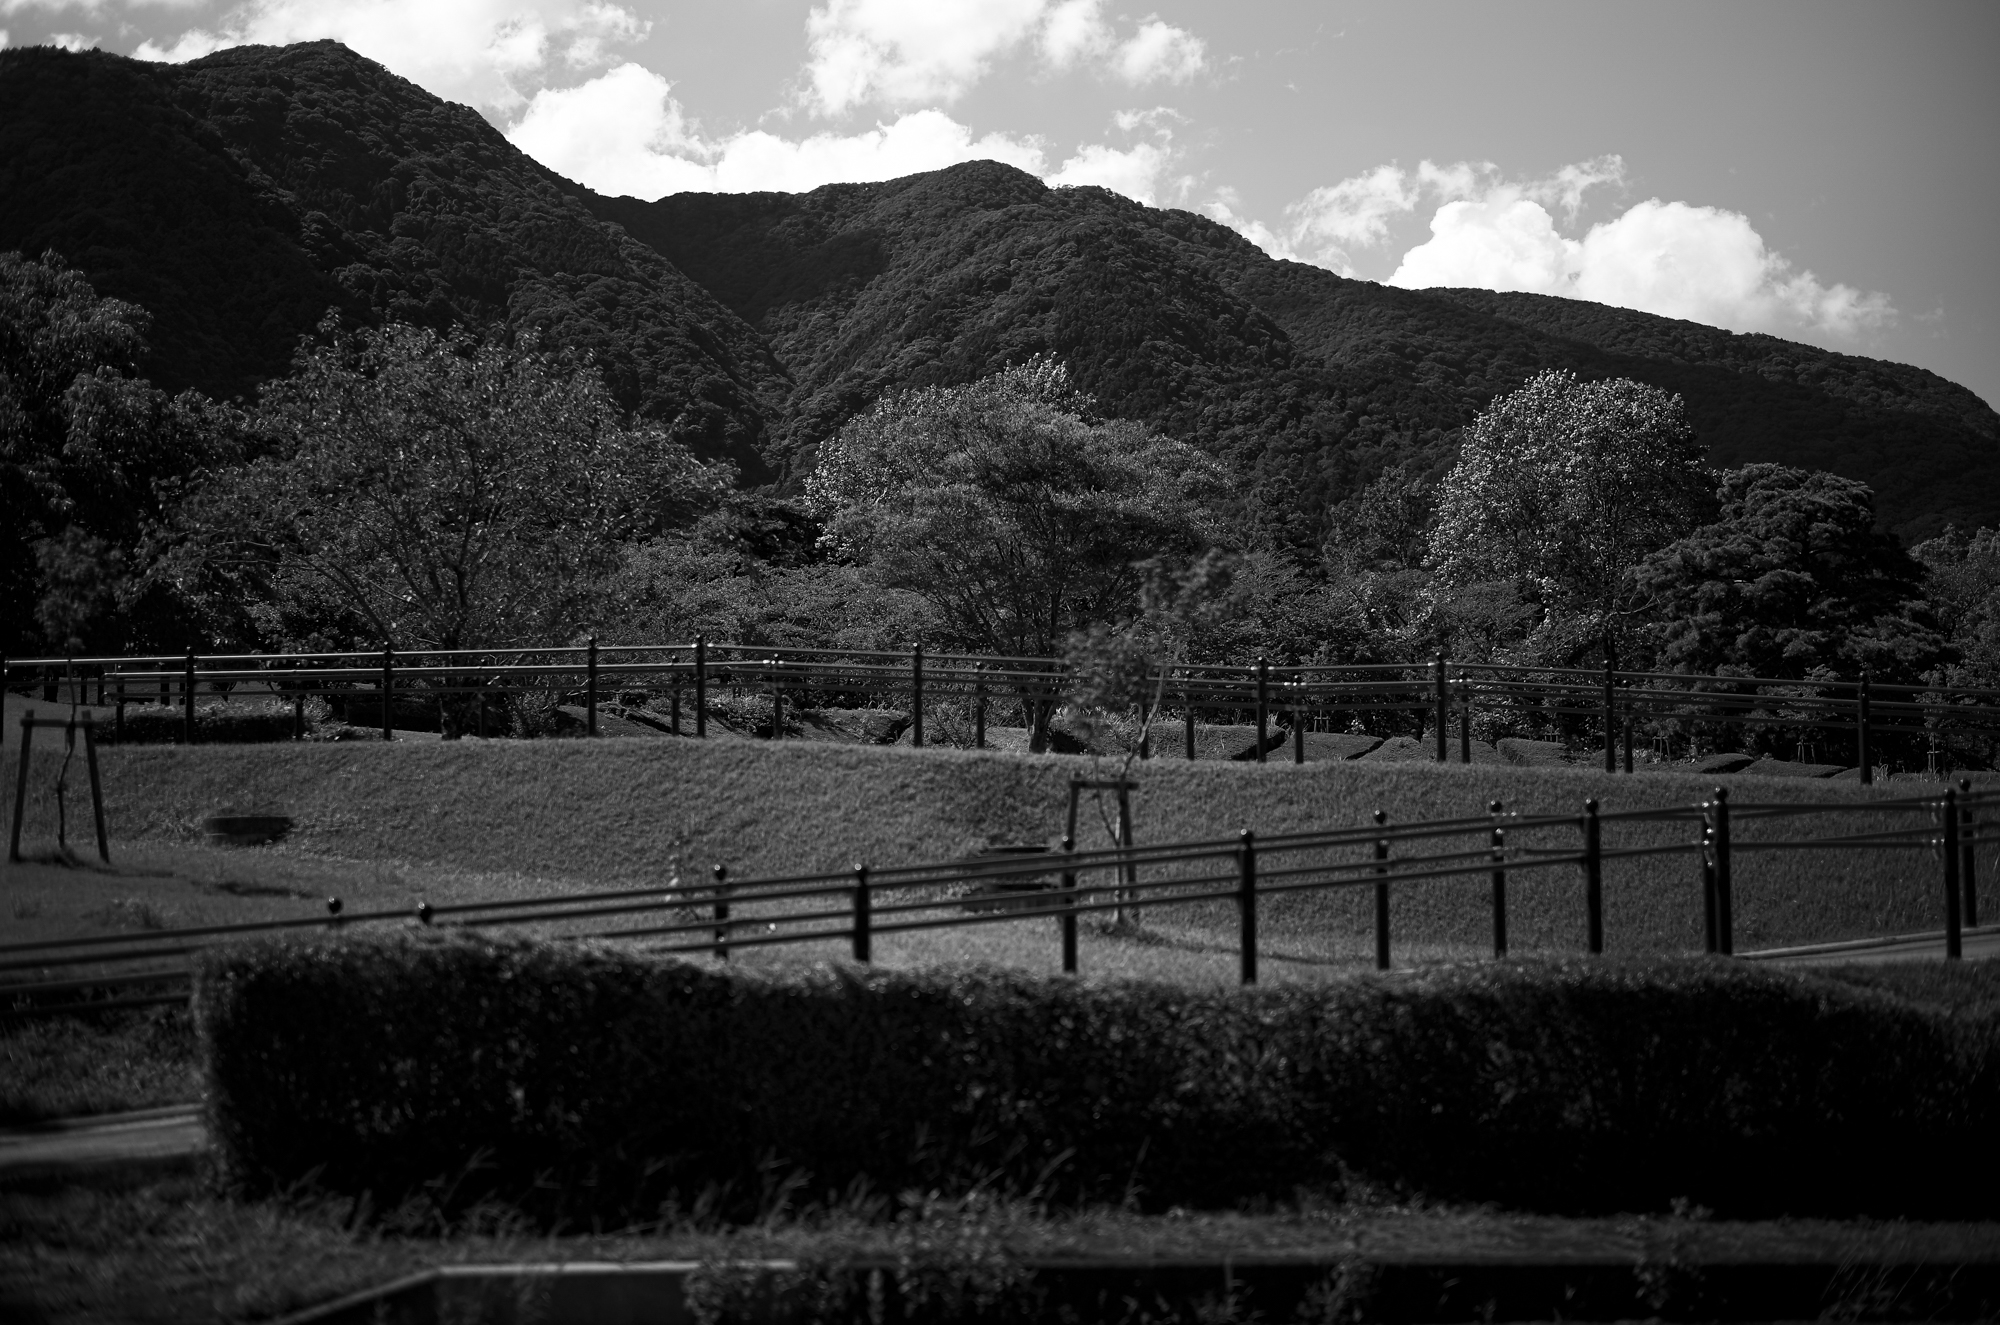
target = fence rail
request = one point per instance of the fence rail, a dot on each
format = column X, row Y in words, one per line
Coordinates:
column 1443, row 696
column 722, row 916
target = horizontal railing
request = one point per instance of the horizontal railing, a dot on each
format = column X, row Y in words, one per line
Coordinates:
column 1661, row 706
column 721, row 916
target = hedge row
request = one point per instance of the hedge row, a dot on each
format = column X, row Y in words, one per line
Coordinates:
column 609, row 1082
column 164, row 726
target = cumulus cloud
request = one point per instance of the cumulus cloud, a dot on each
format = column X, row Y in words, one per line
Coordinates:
column 1133, row 171
column 911, row 52
column 624, row 133
column 1705, row 264
column 482, row 52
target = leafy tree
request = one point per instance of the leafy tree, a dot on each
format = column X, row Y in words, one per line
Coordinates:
column 1566, row 485
column 84, row 448
column 1791, row 580
column 435, row 492
column 1962, row 584
column 1017, row 517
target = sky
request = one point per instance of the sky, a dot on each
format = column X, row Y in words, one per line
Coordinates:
column 1819, row 170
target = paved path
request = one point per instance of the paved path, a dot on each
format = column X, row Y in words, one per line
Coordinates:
column 165, row 1137
column 1983, row 942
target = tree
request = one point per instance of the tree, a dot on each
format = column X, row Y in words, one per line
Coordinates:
column 434, row 491
column 1015, row 515
column 84, row 447
column 1791, row 580
column 1566, row 485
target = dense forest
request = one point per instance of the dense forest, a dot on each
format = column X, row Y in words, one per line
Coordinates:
column 243, row 236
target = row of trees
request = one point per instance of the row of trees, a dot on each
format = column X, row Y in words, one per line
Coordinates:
column 442, row 490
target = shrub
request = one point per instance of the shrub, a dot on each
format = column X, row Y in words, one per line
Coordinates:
column 600, row 1083
column 212, row 726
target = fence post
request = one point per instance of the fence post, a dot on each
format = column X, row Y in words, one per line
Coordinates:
column 917, row 695
column 388, row 690
column 1953, row 921
column 298, row 716
column 979, row 706
column 1190, row 726
column 1381, row 896
column 1443, row 707
column 590, row 689
column 1968, row 856
column 1628, row 740
column 862, row 915
column 721, row 913
column 1708, row 920
column 1593, row 876
column 1246, row 904
column 1861, row 733
column 1263, row 703
column 777, row 700
column 1499, row 844
column 1069, row 909
column 1464, row 720
column 21, row 787
column 1299, row 724
column 96, row 789
column 1725, row 925
column 1610, row 714
column 700, row 686
column 187, row 700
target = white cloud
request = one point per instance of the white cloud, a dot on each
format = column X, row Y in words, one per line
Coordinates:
column 73, row 41
column 1133, row 171
column 913, row 52
column 1705, row 264
column 1223, row 207
column 474, row 51
column 624, row 133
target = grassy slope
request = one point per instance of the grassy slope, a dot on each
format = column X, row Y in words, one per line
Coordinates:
column 616, row 812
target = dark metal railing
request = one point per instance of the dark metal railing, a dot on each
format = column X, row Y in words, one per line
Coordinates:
column 1663, row 708
column 857, row 907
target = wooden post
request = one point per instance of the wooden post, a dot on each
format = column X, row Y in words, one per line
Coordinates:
column 1464, row 721
column 187, row 700
column 1443, row 709
column 1246, row 905
column 1499, row 846
column 590, row 689
column 1862, row 752
column 700, row 686
column 1263, row 703
column 1299, row 725
column 1190, row 726
column 1069, row 909
column 1382, row 896
column 862, row 915
column 917, row 695
column 388, row 691
column 1954, row 947
column 298, row 715
column 1628, row 740
column 1593, row 877
column 96, row 789
column 1968, row 856
column 21, row 787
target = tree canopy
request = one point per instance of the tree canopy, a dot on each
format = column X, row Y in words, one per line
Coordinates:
column 1015, row 515
column 434, row 491
column 1567, row 485
column 1791, row 579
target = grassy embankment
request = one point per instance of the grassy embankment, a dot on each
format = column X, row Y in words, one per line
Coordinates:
column 384, row 826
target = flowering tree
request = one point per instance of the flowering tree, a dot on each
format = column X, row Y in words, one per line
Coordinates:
column 1567, row 485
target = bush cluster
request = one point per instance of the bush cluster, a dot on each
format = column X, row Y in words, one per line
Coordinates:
column 604, row 1084
column 212, row 726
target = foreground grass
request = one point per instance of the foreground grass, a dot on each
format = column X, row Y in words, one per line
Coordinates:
column 166, row 1252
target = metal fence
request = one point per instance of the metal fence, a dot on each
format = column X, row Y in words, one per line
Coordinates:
column 1443, row 701
column 853, row 909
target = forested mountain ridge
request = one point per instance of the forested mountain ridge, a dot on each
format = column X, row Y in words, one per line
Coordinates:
column 239, row 196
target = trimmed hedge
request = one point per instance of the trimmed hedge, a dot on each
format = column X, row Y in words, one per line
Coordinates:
column 212, row 726
column 599, row 1083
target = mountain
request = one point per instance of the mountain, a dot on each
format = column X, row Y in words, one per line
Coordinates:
column 240, row 196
